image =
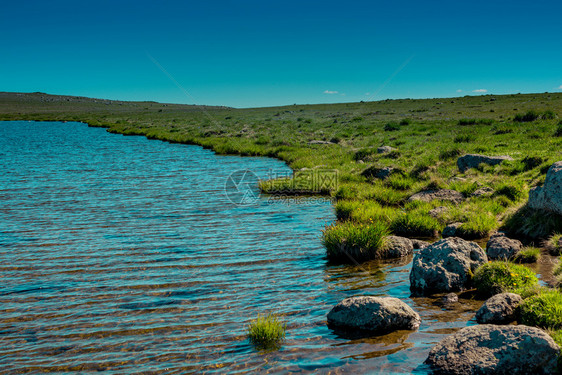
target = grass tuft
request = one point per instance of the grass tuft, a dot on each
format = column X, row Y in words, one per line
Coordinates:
column 500, row 277
column 543, row 310
column 351, row 241
column 266, row 332
column 527, row 255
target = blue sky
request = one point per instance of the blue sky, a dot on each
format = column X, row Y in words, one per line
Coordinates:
column 264, row 53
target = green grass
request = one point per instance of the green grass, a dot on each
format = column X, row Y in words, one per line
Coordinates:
column 428, row 138
column 527, row 255
column 500, row 277
column 266, row 332
column 543, row 310
column 349, row 241
column 553, row 244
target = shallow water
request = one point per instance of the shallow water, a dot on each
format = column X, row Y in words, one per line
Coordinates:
column 123, row 254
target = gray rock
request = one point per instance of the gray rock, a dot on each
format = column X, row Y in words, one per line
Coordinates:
column 499, row 309
column 442, row 195
column 445, row 266
column 385, row 149
column 501, row 247
column 492, row 349
column 380, row 173
column 451, row 229
column 397, row 247
column 450, row 298
column 468, row 161
column 376, row 314
column 549, row 196
column 482, row 192
column 317, row 142
column 419, row 244
column 438, row 211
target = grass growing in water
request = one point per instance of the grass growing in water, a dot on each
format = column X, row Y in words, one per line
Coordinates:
column 350, row 241
column 500, row 277
column 266, row 332
column 528, row 255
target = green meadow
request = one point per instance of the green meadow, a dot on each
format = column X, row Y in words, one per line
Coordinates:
column 426, row 136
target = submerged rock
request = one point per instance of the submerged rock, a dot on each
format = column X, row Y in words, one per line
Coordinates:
column 500, row 247
column 549, row 196
column 492, row 349
column 468, row 161
column 445, row 266
column 441, row 195
column 499, row 309
column 375, row 314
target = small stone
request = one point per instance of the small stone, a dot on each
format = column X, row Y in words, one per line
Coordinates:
column 499, row 309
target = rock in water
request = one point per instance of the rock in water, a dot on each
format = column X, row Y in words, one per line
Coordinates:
column 503, row 248
column 491, row 349
column 468, row 161
column 397, row 247
column 445, row 266
column 375, row 314
column 549, row 196
column 499, row 309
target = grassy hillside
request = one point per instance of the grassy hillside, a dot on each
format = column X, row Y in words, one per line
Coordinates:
column 427, row 136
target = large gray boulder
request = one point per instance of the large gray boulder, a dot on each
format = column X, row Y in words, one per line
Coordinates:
column 375, row 314
column 500, row 247
column 499, row 309
column 445, row 266
column 492, row 349
column 468, row 161
column 549, row 196
column 397, row 247
column 440, row 195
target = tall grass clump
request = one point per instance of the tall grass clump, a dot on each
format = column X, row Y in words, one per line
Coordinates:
column 529, row 116
column 500, row 277
column 527, row 255
column 416, row 223
column 543, row 310
column 554, row 244
column 266, row 332
column 558, row 132
column 351, row 241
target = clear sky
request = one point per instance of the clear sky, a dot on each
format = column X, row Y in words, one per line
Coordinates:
column 263, row 53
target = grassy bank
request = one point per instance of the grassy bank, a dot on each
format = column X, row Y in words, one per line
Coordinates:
column 426, row 137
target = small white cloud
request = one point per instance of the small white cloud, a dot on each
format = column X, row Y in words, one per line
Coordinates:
column 367, row 93
column 342, row 94
column 459, row 90
column 560, row 87
column 330, row 92
column 480, row 90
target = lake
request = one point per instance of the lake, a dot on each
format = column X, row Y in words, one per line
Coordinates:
column 125, row 254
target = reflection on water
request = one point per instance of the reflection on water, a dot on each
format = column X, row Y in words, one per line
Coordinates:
column 123, row 254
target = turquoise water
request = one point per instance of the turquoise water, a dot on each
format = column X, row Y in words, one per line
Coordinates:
column 125, row 254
